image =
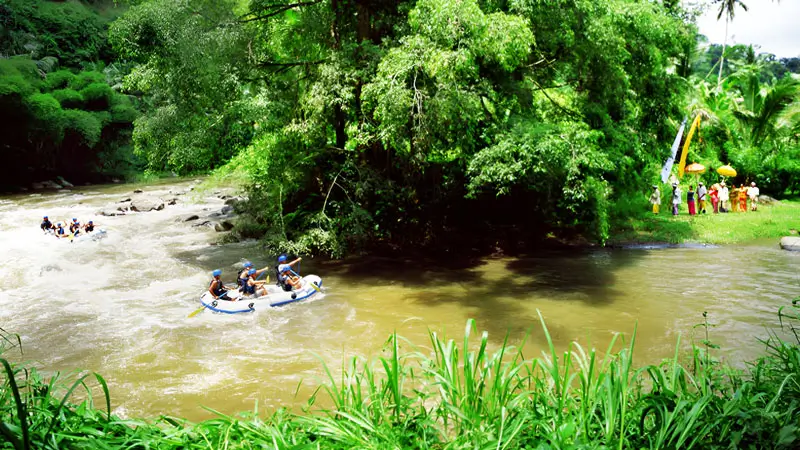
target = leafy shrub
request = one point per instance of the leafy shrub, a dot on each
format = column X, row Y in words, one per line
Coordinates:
column 68, row 98
column 97, row 96
column 59, row 79
column 84, row 124
column 85, row 78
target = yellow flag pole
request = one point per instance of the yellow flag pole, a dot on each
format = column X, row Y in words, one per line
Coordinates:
column 695, row 125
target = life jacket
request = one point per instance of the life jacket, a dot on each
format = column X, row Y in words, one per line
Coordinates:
column 220, row 289
column 248, row 289
column 241, row 282
column 60, row 231
column 281, row 280
column 89, row 228
column 47, row 225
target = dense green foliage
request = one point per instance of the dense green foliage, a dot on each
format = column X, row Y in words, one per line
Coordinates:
column 460, row 396
column 60, row 115
column 398, row 124
column 406, row 123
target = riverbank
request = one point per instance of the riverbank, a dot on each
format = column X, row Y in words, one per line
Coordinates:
column 449, row 396
column 770, row 221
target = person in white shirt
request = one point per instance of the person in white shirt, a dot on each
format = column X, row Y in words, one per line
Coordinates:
column 724, row 193
column 753, row 192
column 702, row 192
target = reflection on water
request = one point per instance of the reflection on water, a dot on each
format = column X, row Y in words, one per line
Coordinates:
column 119, row 306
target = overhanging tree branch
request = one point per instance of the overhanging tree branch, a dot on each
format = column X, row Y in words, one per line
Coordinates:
column 274, row 10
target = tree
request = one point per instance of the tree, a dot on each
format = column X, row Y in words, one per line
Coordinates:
column 727, row 8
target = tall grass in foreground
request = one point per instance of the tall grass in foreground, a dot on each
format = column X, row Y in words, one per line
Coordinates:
column 460, row 395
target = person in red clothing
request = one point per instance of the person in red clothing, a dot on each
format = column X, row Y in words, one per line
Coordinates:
column 714, row 195
column 690, row 200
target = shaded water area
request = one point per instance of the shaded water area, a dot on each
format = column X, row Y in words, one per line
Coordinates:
column 119, row 306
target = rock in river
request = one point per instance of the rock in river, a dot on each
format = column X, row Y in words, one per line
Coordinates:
column 791, row 243
column 147, row 204
column 223, row 226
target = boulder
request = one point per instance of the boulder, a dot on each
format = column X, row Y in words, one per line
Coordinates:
column 233, row 201
column 108, row 212
column 791, row 243
column 203, row 223
column 37, row 186
column 191, row 218
column 766, row 200
column 64, row 182
column 137, row 191
column 227, row 209
column 223, row 226
column 172, row 201
column 145, row 204
column 125, row 200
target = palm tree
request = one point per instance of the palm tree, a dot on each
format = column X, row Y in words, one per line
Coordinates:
column 761, row 107
column 727, row 8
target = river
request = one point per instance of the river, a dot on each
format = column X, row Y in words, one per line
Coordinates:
column 119, row 306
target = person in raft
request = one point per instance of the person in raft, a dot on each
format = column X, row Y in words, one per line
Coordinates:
column 217, row 287
column 253, row 287
column 243, row 275
column 676, row 198
column 282, row 264
column 89, row 227
column 655, row 199
column 60, row 231
column 690, row 200
column 46, row 224
column 75, row 227
column 289, row 279
column 753, row 192
column 702, row 194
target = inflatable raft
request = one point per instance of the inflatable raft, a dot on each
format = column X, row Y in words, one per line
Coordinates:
column 275, row 297
column 96, row 235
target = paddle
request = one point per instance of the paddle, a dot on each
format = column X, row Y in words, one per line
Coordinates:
column 316, row 288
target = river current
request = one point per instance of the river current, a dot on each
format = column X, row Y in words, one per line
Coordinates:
column 119, row 305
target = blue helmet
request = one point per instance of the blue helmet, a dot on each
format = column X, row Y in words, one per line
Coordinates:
column 247, row 264
column 251, row 272
column 285, row 268
column 282, row 258
column 216, row 273
column 74, row 219
column 45, row 217
column 90, row 222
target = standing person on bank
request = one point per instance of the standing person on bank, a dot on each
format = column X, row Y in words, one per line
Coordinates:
column 724, row 193
column 676, row 198
column 753, row 192
column 690, row 200
column 655, row 199
column 702, row 193
column 742, row 198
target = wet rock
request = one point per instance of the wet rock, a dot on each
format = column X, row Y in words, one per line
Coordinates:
column 191, row 218
column 223, row 197
column 172, row 201
column 145, row 204
column 37, row 186
column 124, row 208
column 125, row 200
column 233, row 201
column 137, row 191
column 766, row 200
column 108, row 212
column 203, row 223
column 227, row 209
column 791, row 243
column 223, row 226
column 116, row 180
column 64, row 182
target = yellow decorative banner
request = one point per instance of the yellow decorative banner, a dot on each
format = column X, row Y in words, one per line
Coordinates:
column 695, row 124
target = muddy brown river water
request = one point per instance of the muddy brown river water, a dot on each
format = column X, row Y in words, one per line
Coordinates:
column 119, row 306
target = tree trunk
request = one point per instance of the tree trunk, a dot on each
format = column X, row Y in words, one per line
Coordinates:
column 722, row 55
